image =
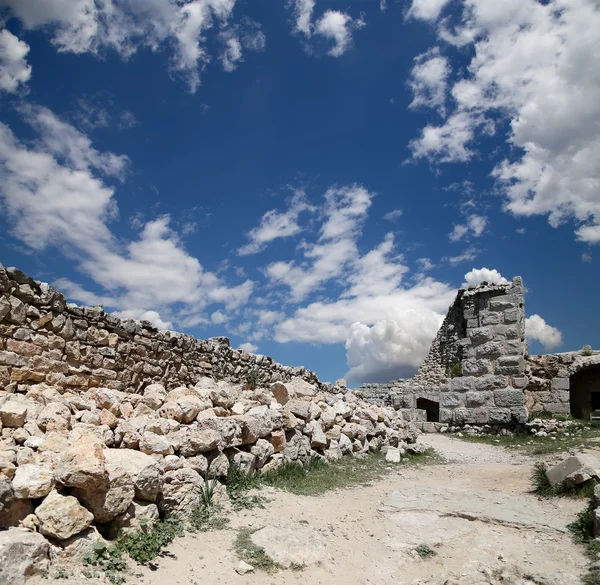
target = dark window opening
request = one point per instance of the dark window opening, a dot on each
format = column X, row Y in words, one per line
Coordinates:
column 431, row 407
column 585, row 392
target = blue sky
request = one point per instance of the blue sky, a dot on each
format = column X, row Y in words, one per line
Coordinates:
column 314, row 179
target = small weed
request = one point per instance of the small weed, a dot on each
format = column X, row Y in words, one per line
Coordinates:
column 425, row 551
column 582, row 530
column 109, row 559
column 238, row 483
column 252, row 379
column 252, row 554
column 144, row 545
column 454, row 370
column 204, row 518
column 298, row 566
column 207, row 491
column 543, row 487
column 61, row 573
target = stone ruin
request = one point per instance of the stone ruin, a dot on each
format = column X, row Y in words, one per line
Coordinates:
column 478, row 371
column 108, row 423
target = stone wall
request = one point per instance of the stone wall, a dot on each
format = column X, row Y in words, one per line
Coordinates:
column 475, row 368
column 43, row 339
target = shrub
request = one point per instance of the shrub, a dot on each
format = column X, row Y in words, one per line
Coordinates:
column 454, row 370
column 586, row 350
column 143, row 546
column 425, row 551
column 252, row 379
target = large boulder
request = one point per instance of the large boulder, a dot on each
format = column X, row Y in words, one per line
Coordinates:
column 109, row 501
column 577, row 468
column 180, row 491
column 280, row 392
column 143, row 469
column 62, row 516
column 13, row 410
column 83, row 464
column 153, row 444
column 32, row 481
column 23, row 554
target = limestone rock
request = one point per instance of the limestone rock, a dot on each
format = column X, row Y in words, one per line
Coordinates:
column 243, row 567
column 13, row 410
column 139, row 515
column 22, row 554
column 7, row 494
column 14, row 514
column 277, row 439
column 75, row 547
column 62, row 516
column 180, row 491
column 143, row 470
column 151, row 443
column 33, row 481
column 83, row 465
column 154, row 396
column 262, row 451
column 392, row 455
column 576, row 465
column 280, row 393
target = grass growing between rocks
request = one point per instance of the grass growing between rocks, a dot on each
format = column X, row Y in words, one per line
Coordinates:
column 582, row 530
column 542, row 486
column 319, row 477
column 238, row 484
column 532, row 445
column 252, row 554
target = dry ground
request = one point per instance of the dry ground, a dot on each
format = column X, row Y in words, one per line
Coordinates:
column 472, row 507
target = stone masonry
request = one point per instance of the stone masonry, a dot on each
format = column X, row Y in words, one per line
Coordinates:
column 475, row 370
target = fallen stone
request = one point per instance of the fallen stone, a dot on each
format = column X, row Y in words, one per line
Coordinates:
column 22, row 554
column 83, row 464
column 32, row 481
column 143, row 470
column 242, row 568
column 392, row 455
column 575, row 468
column 62, row 516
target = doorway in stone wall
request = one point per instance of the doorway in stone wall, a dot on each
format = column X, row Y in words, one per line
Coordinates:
column 585, row 392
column 431, row 407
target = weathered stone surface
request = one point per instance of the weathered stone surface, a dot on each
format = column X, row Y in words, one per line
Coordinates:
column 508, row 398
column 7, row 494
column 23, row 554
column 180, row 491
column 153, row 444
column 83, row 464
column 139, row 515
column 32, row 481
column 62, row 516
column 295, row 545
column 280, row 393
column 299, row 408
column 576, row 464
column 13, row 410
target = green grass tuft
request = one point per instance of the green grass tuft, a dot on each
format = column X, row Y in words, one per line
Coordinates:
column 204, row 518
column 425, row 551
column 543, row 487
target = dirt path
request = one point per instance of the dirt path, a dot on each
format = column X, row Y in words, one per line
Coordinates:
column 472, row 508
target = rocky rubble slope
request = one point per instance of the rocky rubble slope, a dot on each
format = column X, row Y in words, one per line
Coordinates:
column 80, row 459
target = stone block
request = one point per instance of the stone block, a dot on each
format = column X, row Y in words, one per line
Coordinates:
column 480, row 335
column 490, row 350
column 560, row 384
column 511, row 332
column 513, row 347
column 476, row 367
column 575, row 464
column 476, row 399
column 446, row 415
column 519, row 414
column 520, row 381
column 512, row 316
column 482, row 416
column 491, row 382
column 509, row 398
column 510, row 365
column 500, row 415
column 464, row 416
column 503, row 303
column 490, row 318
column 558, row 407
column 451, row 399
column 461, row 384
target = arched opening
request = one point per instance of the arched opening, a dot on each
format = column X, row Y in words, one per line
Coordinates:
column 585, row 392
column 431, row 407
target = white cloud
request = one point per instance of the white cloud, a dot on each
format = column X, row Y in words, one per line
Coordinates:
column 467, row 255
column 53, row 196
column 458, row 233
column 425, row 264
column 429, row 80
column 390, row 349
column 383, row 5
column 427, row 9
column 475, row 226
column 393, row 215
column 479, row 275
column 232, row 51
column 14, row 70
column 586, row 258
column 338, row 27
column 344, row 211
column 275, row 224
column 303, row 10
column 249, row 347
column 89, row 26
column 141, row 315
column 218, row 317
column 536, row 328
column 547, row 97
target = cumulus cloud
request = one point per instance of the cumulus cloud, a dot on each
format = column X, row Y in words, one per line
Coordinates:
column 141, row 315
column 393, row 215
column 466, row 255
column 390, row 349
column 86, row 26
column 479, row 275
column 475, row 226
column 338, row 27
column 276, row 224
column 14, row 70
column 536, row 328
column 429, row 80
column 427, row 9
column 303, row 10
column 56, row 193
column 548, row 99
column 249, row 347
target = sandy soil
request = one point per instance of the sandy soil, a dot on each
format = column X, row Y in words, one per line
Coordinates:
column 473, row 508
